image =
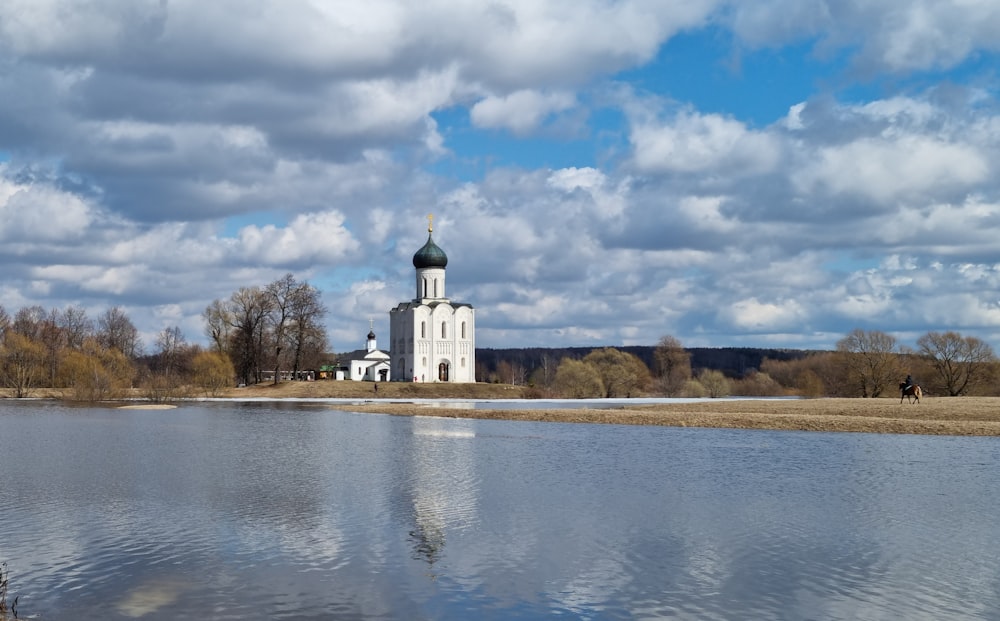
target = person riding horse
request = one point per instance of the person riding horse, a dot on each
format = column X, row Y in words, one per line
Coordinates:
column 909, row 390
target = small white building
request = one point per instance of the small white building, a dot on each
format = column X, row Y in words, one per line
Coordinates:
column 373, row 367
column 432, row 339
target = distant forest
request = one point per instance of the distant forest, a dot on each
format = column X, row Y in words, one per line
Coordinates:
column 734, row 362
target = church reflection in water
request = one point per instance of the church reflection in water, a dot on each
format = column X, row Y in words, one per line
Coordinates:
column 442, row 487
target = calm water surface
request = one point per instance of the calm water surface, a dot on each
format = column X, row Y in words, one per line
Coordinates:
column 271, row 511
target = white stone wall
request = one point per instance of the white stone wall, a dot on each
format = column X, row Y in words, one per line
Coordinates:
column 425, row 337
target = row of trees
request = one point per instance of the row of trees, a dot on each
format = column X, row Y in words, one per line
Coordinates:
column 948, row 363
column 864, row 364
column 86, row 359
column 63, row 349
column 873, row 363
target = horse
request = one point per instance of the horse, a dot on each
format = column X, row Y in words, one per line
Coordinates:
column 909, row 392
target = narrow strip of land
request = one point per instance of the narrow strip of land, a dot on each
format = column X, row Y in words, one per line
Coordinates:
column 963, row 416
column 970, row 416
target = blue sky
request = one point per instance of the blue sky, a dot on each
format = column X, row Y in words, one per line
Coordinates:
column 766, row 174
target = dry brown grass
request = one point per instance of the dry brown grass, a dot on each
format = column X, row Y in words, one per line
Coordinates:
column 979, row 416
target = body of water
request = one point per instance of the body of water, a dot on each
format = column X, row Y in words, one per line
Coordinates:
column 295, row 511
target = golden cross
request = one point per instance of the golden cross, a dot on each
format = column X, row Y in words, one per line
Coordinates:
column 430, row 223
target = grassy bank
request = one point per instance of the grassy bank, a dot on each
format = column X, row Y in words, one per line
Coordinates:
column 970, row 416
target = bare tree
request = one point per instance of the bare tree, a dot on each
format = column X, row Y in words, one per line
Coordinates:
column 218, row 325
column 961, row 363
column 248, row 309
column 286, row 301
column 169, row 347
column 29, row 321
column 545, row 373
column 40, row 326
column 871, row 360
column 4, row 321
column 306, row 336
column 116, row 331
column 75, row 325
column 281, row 292
column 22, row 363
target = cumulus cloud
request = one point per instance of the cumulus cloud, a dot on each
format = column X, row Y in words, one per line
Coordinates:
column 38, row 212
column 888, row 169
column 752, row 315
column 899, row 37
column 702, row 143
column 521, row 111
column 308, row 239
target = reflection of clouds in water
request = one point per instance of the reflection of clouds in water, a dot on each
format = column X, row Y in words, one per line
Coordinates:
column 318, row 543
column 598, row 582
column 150, row 596
column 318, row 546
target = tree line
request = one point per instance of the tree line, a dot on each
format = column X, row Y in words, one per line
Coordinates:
column 864, row 364
column 90, row 360
column 278, row 326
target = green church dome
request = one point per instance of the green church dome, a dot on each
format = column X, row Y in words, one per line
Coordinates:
column 430, row 255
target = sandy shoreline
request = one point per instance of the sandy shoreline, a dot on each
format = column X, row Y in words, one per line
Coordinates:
column 963, row 416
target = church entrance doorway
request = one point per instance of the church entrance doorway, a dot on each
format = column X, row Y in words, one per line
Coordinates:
column 443, row 372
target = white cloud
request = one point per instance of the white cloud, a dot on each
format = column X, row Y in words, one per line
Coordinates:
column 521, row 111
column 887, row 169
column 702, row 143
column 897, row 36
column 309, row 238
column 37, row 212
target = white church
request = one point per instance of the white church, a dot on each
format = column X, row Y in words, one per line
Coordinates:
column 432, row 339
column 373, row 367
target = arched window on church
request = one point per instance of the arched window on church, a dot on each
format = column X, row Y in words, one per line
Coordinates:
column 435, row 287
column 425, row 287
column 423, row 329
column 444, row 329
column 463, row 333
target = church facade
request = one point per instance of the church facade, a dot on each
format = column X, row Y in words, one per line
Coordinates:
column 432, row 338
